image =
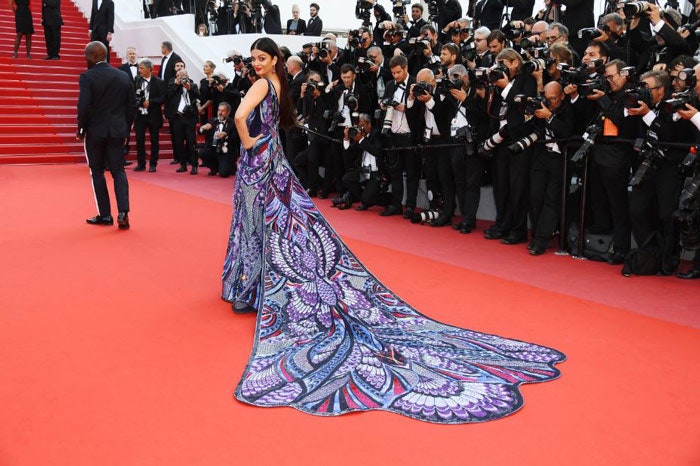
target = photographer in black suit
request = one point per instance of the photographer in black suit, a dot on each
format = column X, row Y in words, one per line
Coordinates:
column 218, row 153
column 150, row 97
column 363, row 181
column 105, row 112
column 350, row 97
column 102, row 22
column 181, row 110
column 167, row 64
column 271, row 18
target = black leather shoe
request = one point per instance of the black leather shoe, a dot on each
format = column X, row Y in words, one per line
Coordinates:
column 391, row 210
column 513, row 239
column 336, row 201
column 457, row 226
column 347, row 202
column 195, row 170
column 465, row 229
column 181, row 169
column 616, row 258
column 174, row 162
column 537, row 250
column 408, row 213
column 123, row 221
column 151, row 169
column 140, row 168
column 128, row 162
column 691, row 274
column 212, row 173
column 323, row 195
column 494, row 233
column 361, row 208
column 440, row 221
column 100, row 220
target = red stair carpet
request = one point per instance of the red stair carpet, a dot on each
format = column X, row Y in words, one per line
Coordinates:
column 116, row 350
column 38, row 98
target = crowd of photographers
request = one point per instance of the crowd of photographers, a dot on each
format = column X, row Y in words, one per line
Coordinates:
column 603, row 137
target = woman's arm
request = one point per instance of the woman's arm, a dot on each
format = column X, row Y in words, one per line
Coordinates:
column 253, row 97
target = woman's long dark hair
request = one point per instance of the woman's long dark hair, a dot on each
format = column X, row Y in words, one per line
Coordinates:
column 267, row 45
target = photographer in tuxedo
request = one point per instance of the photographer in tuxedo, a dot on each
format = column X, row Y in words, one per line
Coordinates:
column 218, row 153
column 150, row 97
column 350, row 97
column 363, row 181
column 181, row 110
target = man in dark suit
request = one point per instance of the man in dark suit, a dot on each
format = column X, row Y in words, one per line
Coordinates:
column 181, row 110
column 315, row 25
column 52, row 21
column 105, row 112
column 271, row 18
column 150, row 91
column 167, row 64
column 131, row 66
column 102, row 22
column 296, row 138
column 218, row 152
column 488, row 13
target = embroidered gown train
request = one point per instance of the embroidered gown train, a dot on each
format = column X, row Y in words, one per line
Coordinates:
column 330, row 338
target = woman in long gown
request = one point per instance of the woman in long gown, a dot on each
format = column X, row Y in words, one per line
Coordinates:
column 330, row 338
column 23, row 25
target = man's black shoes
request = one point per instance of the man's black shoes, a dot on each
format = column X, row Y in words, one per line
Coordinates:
column 391, row 210
column 140, row 168
column 100, row 220
column 123, row 221
column 181, row 169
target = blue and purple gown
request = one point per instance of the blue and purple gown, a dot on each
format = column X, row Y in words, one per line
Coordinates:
column 330, row 338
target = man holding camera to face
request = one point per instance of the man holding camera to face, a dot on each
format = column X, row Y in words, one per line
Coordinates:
column 362, row 181
column 665, row 45
column 181, row 110
column 150, row 96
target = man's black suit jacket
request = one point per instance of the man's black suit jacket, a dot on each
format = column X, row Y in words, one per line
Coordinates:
column 172, row 98
column 229, row 129
column 169, row 72
column 272, row 21
column 107, row 103
column 156, row 97
column 301, row 26
column 360, row 91
column 523, row 84
column 102, row 20
column 413, row 115
column 314, row 27
column 126, row 68
column 51, row 13
column 489, row 13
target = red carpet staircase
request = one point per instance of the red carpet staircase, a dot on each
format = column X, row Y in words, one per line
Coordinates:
column 38, row 98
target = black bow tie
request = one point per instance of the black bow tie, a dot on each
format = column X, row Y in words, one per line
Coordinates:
column 134, row 65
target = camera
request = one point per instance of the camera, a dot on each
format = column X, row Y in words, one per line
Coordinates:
column 334, row 118
column 499, row 72
column 652, row 156
column 589, row 137
column 425, row 216
column 219, row 80
column 351, row 102
column 422, row 88
column 479, row 77
column 632, row 9
column 523, row 143
column 633, row 96
column 399, row 7
column 528, row 105
column 386, row 123
column 236, row 59
column 363, row 65
column 588, row 34
column 597, row 83
column 362, row 10
column 185, row 82
column 353, row 131
column 140, row 97
column 531, row 66
column 354, row 38
column 312, row 86
column 468, row 51
column 513, row 33
column 444, row 86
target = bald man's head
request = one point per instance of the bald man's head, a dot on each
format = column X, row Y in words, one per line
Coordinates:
column 95, row 52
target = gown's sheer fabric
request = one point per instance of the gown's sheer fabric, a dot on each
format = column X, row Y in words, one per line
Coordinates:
column 330, row 338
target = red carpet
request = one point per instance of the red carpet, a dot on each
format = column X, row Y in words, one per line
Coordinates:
column 115, row 348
